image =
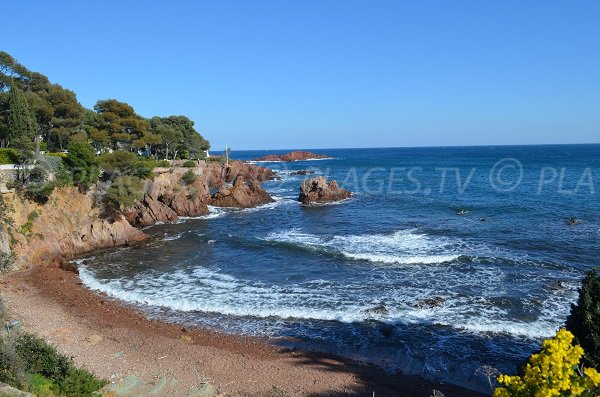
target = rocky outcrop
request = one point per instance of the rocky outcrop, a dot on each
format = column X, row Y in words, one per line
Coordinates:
column 72, row 223
column 242, row 194
column 318, row 190
column 67, row 225
column 293, row 156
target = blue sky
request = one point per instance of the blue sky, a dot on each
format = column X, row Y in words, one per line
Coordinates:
column 321, row 74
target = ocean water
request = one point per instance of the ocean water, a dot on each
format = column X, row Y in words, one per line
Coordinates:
column 483, row 228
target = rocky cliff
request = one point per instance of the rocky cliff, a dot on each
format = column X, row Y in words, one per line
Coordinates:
column 72, row 223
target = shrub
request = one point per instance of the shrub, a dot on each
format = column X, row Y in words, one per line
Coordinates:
column 9, row 156
column 163, row 163
column 189, row 164
column 124, row 192
column 554, row 371
column 83, row 163
column 127, row 163
column 584, row 320
column 189, row 177
column 27, row 361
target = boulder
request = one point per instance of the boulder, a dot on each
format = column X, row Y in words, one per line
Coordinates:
column 318, row 190
column 241, row 194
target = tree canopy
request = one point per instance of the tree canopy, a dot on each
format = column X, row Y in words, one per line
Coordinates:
column 56, row 115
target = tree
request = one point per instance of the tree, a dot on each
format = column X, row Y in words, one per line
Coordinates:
column 121, row 123
column 178, row 134
column 584, row 320
column 83, row 164
column 21, row 126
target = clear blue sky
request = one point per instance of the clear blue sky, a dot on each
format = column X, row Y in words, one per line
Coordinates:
column 318, row 74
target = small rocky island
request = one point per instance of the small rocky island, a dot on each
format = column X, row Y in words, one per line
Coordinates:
column 293, row 156
column 319, row 191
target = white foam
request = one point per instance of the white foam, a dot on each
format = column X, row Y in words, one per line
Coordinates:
column 402, row 247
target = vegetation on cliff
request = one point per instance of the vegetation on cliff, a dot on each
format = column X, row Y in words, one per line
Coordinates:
column 584, row 320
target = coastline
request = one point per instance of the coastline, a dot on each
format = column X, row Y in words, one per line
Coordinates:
column 116, row 341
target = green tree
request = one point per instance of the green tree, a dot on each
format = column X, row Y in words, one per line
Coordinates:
column 83, row 163
column 584, row 320
column 21, row 126
column 121, row 123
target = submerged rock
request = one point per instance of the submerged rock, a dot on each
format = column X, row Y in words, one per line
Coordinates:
column 430, row 303
column 302, row 172
column 572, row 221
column 379, row 309
column 318, row 190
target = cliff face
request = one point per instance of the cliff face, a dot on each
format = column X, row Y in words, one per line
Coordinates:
column 67, row 225
column 70, row 223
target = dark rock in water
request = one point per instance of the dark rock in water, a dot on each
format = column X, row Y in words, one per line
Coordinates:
column 302, row 172
column 482, row 220
column 572, row 221
column 387, row 330
column 430, row 303
column 379, row 309
column 557, row 286
column 318, row 190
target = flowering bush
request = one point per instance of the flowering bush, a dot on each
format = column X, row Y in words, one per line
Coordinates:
column 553, row 372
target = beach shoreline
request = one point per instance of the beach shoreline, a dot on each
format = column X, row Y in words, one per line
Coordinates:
column 116, row 341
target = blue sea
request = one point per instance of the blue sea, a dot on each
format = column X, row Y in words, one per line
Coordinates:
column 498, row 236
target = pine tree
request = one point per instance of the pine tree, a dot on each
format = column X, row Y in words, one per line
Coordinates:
column 21, row 124
column 584, row 320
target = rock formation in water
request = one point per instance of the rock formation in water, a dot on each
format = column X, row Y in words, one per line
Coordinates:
column 302, row 172
column 318, row 190
column 242, row 194
column 72, row 223
column 293, row 156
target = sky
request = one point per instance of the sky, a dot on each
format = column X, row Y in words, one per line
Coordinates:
column 328, row 74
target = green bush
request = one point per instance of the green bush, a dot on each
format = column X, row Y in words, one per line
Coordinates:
column 83, row 164
column 584, row 320
column 28, row 362
column 163, row 163
column 189, row 177
column 128, row 163
column 189, row 164
column 9, row 156
column 124, row 192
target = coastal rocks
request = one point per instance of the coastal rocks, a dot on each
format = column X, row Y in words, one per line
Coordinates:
column 430, row 303
column 67, row 225
column 242, row 194
column 293, row 156
column 217, row 174
column 318, row 190
column 302, row 172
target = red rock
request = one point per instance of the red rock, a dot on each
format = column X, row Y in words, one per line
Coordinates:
column 318, row 190
column 293, row 156
column 241, row 195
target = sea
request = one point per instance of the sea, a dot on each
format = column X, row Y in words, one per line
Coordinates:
column 447, row 262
